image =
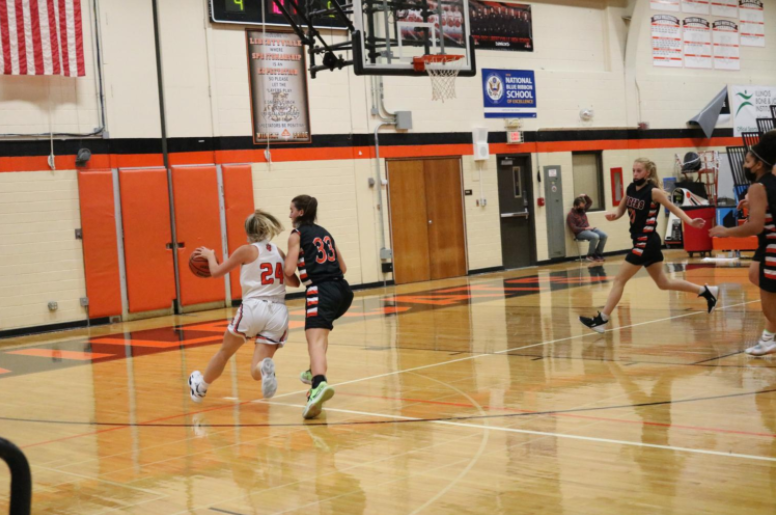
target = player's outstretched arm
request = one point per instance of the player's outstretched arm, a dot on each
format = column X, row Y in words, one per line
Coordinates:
column 238, row 257
column 661, row 198
column 758, row 205
column 612, row 216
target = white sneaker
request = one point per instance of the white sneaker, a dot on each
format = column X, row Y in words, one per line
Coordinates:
column 197, row 390
column 269, row 383
column 762, row 348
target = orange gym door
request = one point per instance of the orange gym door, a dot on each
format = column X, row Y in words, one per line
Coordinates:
column 427, row 225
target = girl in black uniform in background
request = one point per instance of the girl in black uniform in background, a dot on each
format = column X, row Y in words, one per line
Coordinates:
column 758, row 167
column 642, row 199
column 321, row 266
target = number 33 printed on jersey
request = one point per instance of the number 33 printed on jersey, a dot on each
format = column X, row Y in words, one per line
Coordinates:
column 325, row 250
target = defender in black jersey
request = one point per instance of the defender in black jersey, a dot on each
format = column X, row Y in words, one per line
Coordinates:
column 313, row 251
column 758, row 167
column 642, row 201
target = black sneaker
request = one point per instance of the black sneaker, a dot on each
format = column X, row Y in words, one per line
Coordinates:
column 710, row 294
column 596, row 323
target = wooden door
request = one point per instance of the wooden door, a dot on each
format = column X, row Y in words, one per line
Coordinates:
column 409, row 221
column 427, row 224
column 444, row 206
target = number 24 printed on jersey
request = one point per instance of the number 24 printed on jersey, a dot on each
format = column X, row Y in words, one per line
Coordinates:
column 269, row 273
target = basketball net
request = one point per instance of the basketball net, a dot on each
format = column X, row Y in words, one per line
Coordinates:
column 442, row 83
column 442, row 77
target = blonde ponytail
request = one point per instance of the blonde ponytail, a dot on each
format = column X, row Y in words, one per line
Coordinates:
column 260, row 226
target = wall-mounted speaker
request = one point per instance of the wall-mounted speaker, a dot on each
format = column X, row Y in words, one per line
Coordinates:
column 480, row 143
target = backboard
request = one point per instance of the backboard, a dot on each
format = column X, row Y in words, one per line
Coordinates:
column 389, row 35
column 386, row 37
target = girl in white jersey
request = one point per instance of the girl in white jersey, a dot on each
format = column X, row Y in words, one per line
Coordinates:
column 262, row 314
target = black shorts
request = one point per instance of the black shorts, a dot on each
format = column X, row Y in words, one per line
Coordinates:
column 767, row 270
column 326, row 302
column 646, row 250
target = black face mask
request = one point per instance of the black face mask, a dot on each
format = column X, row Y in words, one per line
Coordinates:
column 580, row 210
column 640, row 182
column 749, row 174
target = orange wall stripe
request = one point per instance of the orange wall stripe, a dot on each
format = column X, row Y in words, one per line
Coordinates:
column 39, row 163
column 100, row 246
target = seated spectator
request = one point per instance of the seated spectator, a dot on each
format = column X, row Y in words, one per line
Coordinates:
column 577, row 222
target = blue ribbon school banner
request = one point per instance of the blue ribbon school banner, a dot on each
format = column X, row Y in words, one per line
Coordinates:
column 509, row 93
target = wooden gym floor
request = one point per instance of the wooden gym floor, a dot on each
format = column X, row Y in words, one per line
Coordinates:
column 476, row 395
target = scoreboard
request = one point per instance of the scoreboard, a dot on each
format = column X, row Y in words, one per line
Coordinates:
column 248, row 12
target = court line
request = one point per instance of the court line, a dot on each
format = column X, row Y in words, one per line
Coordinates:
column 467, row 358
column 395, row 372
column 544, row 433
column 570, row 415
column 472, row 461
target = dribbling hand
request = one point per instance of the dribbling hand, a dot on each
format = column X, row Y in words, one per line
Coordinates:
column 204, row 252
column 698, row 223
column 611, row 216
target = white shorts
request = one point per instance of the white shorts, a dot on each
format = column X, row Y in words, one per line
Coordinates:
column 266, row 321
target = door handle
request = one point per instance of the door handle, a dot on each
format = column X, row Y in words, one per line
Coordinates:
column 515, row 215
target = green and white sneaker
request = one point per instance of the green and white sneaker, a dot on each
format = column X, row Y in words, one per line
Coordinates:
column 316, row 398
column 306, row 377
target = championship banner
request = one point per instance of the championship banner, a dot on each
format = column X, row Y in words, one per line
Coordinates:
column 278, row 81
column 695, row 6
column 697, row 43
column 666, row 41
column 509, row 93
column 747, row 104
column 751, row 26
column 501, row 26
column 726, row 48
column 728, row 8
column 667, row 5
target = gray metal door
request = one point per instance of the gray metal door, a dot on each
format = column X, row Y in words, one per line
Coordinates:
column 516, row 209
column 556, row 223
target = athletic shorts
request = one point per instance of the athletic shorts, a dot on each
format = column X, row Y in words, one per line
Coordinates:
column 264, row 320
column 326, row 302
column 767, row 269
column 646, row 250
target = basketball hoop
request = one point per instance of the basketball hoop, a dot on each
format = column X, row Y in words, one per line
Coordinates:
column 442, row 78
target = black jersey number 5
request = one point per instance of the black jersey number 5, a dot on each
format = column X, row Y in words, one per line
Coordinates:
column 325, row 250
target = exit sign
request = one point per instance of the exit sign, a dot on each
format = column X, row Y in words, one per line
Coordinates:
column 514, row 137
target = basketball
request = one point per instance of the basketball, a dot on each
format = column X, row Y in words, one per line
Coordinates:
column 199, row 266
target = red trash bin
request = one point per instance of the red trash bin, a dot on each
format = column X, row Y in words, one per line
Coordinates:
column 698, row 240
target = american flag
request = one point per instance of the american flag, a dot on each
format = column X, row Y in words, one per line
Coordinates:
column 41, row 37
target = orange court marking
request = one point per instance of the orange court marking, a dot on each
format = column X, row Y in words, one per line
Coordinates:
column 154, row 343
column 63, row 354
column 216, row 327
